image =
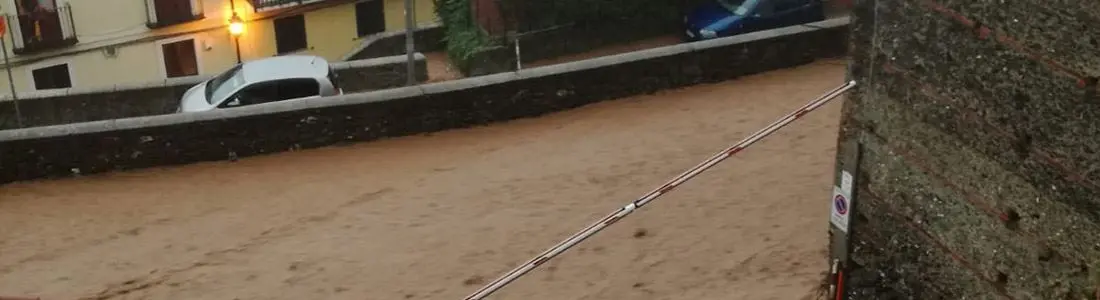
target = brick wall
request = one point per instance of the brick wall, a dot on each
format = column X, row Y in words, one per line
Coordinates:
column 979, row 133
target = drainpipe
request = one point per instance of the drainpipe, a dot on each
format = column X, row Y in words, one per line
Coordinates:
column 11, row 81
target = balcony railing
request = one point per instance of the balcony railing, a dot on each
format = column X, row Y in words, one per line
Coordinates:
column 265, row 5
column 171, row 12
column 42, row 29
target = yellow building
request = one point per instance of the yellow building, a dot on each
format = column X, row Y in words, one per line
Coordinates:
column 56, row 44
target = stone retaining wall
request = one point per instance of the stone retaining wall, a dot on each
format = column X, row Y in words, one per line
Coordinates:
column 238, row 132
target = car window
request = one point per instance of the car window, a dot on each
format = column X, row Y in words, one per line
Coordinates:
column 272, row 91
column 223, row 84
column 298, row 88
column 764, row 8
column 731, row 5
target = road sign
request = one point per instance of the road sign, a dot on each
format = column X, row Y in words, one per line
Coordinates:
column 3, row 26
column 840, row 209
column 841, row 204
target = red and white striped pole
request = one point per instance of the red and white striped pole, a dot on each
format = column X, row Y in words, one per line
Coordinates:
column 591, row 230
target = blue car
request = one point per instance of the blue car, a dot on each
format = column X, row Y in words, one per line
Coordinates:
column 721, row 18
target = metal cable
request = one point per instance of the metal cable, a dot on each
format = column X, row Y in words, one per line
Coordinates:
column 591, row 230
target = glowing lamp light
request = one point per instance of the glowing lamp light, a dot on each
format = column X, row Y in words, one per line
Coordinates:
column 236, row 25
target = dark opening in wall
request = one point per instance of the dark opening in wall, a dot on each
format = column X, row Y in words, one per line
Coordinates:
column 52, row 77
column 1011, row 219
column 370, row 17
column 1090, row 85
column 290, row 34
column 1000, row 280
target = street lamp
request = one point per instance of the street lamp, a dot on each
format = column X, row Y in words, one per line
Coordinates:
column 236, row 28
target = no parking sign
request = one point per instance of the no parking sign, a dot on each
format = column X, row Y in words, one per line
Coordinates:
column 841, row 207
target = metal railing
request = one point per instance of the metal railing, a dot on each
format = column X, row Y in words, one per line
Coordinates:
column 170, row 12
column 42, row 29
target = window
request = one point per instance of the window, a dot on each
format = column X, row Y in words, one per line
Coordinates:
column 370, row 17
column 42, row 24
column 274, row 91
column 788, row 5
column 168, row 12
column 52, row 77
column 290, row 34
column 180, row 59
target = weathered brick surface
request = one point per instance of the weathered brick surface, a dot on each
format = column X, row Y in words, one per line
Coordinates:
column 1060, row 30
column 986, row 142
column 1069, row 230
column 989, row 246
column 915, row 269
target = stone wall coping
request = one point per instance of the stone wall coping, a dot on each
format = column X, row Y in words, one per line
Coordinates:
column 405, row 92
column 377, row 61
column 384, row 35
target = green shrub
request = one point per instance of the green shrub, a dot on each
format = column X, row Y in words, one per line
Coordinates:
column 462, row 35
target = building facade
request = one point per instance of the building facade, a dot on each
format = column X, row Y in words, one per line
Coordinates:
column 58, row 44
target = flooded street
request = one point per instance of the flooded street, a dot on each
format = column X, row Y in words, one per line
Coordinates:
column 435, row 216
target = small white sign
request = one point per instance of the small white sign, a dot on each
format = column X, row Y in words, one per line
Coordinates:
column 841, row 207
column 846, row 183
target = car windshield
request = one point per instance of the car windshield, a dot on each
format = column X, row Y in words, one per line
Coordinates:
column 738, row 7
column 225, row 83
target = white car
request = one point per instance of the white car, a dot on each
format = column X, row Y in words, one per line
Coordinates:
column 280, row 78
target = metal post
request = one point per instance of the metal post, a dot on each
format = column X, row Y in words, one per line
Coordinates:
column 842, row 204
column 11, row 82
column 514, row 36
column 237, row 45
column 410, row 41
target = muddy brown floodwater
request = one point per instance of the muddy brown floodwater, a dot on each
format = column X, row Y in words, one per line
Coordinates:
column 435, row 216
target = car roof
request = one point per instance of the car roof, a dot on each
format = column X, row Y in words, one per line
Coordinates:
column 282, row 67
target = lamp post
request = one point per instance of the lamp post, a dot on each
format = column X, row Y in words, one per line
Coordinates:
column 236, row 28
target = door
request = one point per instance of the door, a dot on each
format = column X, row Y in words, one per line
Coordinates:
column 39, row 22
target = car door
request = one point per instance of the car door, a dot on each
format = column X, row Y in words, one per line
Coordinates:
column 785, row 10
column 792, row 12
